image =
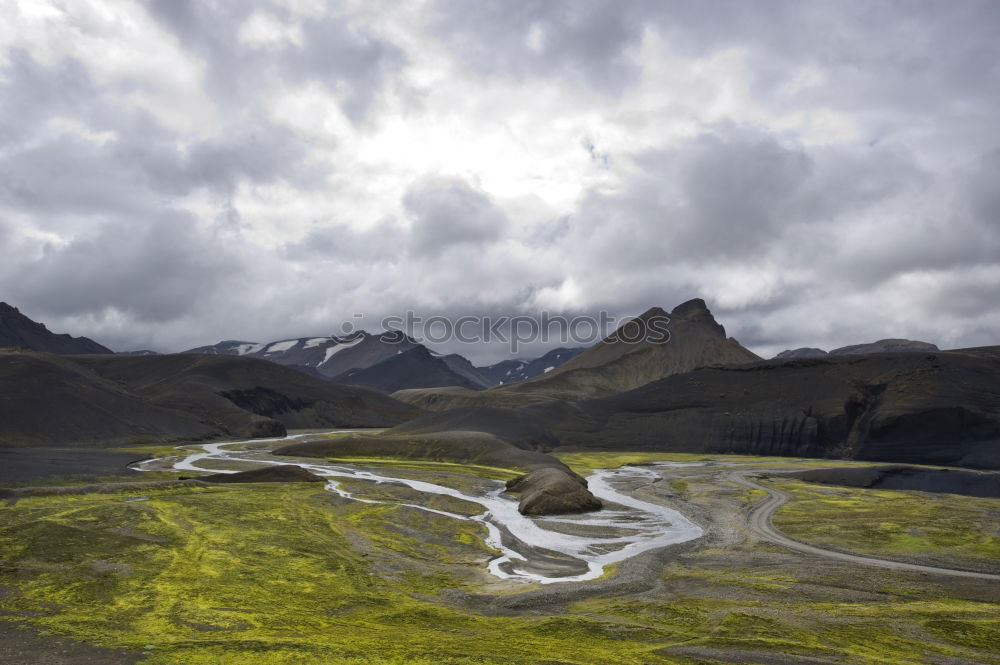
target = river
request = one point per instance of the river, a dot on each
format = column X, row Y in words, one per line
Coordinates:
column 546, row 549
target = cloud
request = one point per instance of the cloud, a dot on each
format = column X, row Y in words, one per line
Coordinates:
column 447, row 212
column 824, row 173
column 150, row 272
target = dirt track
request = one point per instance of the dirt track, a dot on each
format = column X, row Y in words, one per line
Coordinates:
column 761, row 526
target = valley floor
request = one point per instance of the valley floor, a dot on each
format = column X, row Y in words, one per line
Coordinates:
column 272, row 574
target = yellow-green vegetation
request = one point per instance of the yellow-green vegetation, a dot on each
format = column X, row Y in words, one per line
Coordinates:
column 490, row 472
column 281, row 574
column 584, row 463
column 270, row 574
column 944, row 529
column 755, row 611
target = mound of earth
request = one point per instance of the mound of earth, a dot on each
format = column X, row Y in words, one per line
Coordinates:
column 651, row 346
column 108, row 400
column 552, row 491
column 901, row 477
column 277, row 473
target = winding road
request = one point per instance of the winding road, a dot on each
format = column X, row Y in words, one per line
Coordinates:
column 761, row 526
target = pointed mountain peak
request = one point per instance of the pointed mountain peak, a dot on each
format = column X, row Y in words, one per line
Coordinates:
column 653, row 313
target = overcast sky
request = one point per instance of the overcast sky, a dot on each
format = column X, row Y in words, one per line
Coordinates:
column 175, row 172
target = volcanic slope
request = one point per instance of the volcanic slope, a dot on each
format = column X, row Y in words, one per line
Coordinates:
column 926, row 408
column 17, row 330
column 637, row 353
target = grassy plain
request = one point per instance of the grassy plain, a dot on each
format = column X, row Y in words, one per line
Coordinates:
column 276, row 574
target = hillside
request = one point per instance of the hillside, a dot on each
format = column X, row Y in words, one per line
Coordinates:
column 929, row 408
column 18, row 331
column 105, row 400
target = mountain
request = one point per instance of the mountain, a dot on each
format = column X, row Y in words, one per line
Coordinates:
column 512, row 371
column 804, row 352
column 329, row 356
column 651, row 346
column 106, row 400
column 939, row 408
column 885, row 346
column 17, row 330
column 140, row 352
column 416, row 368
column 881, row 346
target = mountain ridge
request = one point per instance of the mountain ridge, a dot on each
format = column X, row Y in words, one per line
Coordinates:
column 19, row 331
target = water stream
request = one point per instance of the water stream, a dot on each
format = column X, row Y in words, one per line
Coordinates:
column 567, row 548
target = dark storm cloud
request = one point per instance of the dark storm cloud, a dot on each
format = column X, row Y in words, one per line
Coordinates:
column 151, row 272
column 56, row 170
column 447, row 212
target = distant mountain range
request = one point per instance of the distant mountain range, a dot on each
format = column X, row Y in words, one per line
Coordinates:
column 18, row 331
column 388, row 362
column 696, row 390
column 512, row 371
column 881, row 346
column 632, row 356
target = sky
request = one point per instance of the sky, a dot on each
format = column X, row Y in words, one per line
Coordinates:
column 178, row 172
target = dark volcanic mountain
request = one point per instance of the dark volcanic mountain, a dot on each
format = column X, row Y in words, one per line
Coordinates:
column 513, row 371
column 926, row 408
column 106, row 400
column 416, row 368
column 881, row 346
column 17, row 330
column 329, row 356
column 635, row 354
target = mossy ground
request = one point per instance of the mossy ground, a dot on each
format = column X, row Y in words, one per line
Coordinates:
column 285, row 573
